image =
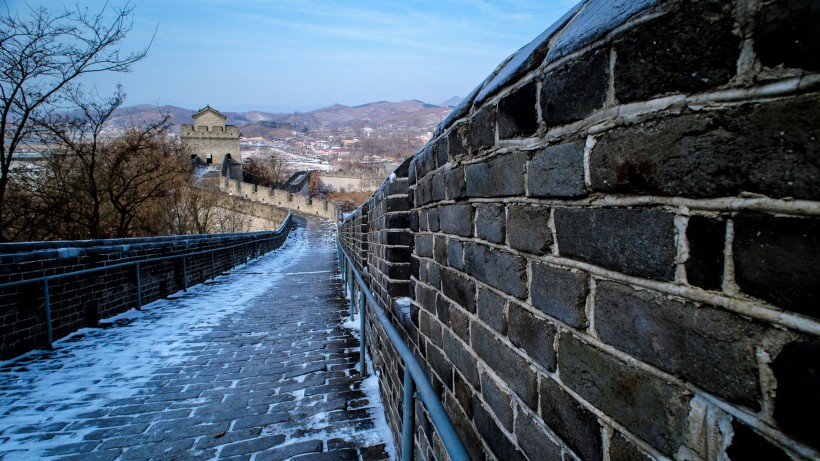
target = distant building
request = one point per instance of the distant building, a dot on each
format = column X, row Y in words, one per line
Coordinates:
column 210, row 139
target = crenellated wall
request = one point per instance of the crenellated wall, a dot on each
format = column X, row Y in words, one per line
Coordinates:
column 78, row 301
column 299, row 204
column 610, row 248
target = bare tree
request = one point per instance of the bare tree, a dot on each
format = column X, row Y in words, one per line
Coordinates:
column 268, row 171
column 42, row 55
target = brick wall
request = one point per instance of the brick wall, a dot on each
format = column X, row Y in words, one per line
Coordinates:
column 279, row 198
column 82, row 300
column 613, row 241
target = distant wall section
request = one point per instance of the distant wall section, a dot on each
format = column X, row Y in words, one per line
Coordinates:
column 295, row 203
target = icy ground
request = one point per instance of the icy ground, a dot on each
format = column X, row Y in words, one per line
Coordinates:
column 208, row 374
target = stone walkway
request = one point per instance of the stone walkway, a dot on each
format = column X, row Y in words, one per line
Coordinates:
column 255, row 365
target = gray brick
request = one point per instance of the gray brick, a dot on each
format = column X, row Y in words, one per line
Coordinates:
column 621, row 449
column 497, row 268
column 690, row 50
column 571, row 421
column 455, row 254
column 533, row 439
column 501, row 446
column 481, row 130
column 439, row 192
column 706, row 237
column 651, row 408
column 797, row 368
column 490, row 308
column 527, row 228
column 490, row 222
column 499, row 177
column 575, row 90
column 456, row 219
column 509, row 366
column 557, row 171
column 532, row 334
column 635, row 242
column 560, row 293
column 463, row 360
column 776, row 259
column 499, row 401
column 458, row 288
column 455, row 146
column 769, row 149
column 454, row 181
column 684, row 339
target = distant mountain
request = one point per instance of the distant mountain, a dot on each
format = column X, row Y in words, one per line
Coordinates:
column 452, row 102
column 411, row 114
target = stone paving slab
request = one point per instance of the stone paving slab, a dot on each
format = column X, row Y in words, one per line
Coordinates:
column 255, row 365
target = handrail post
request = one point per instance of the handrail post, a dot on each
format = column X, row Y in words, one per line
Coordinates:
column 184, row 273
column 352, row 301
column 213, row 265
column 408, row 416
column 362, row 369
column 47, row 306
column 139, row 287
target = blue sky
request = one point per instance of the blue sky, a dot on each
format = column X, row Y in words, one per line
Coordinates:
column 298, row 54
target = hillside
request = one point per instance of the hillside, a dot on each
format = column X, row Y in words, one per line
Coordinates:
column 411, row 114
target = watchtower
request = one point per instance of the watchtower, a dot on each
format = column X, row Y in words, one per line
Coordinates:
column 210, row 139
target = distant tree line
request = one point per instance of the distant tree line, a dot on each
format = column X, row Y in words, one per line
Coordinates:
column 88, row 183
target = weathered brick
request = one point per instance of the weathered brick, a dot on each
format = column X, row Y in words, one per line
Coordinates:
column 508, row 365
column 490, row 222
column 636, row 242
column 501, row 446
column 490, row 308
column 684, row 339
column 458, row 288
column 431, row 215
column 455, row 146
column 560, row 293
column 455, row 254
column 532, row 334
column 454, row 181
column 651, row 408
column 766, row 148
column 706, row 237
column 442, row 367
column 528, row 229
column 574, row 91
column 481, row 130
column 459, row 322
column 573, row 423
column 456, row 219
column 557, row 171
column 499, row 177
column 517, row 113
column 464, row 362
column 424, row 245
column 533, row 439
column 440, row 249
column 424, row 192
column 500, row 402
column 687, row 51
column 438, row 192
column 499, row 269
column 440, row 152
column 786, row 33
column 797, row 370
column 621, row 449
column 776, row 259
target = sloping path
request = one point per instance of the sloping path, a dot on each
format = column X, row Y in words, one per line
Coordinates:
column 255, row 365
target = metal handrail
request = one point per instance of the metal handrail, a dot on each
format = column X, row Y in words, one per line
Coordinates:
column 416, row 383
column 45, row 279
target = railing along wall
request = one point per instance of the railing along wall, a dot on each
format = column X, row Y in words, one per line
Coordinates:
column 50, row 289
column 416, row 385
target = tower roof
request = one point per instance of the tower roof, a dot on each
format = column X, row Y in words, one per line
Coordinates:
column 206, row 109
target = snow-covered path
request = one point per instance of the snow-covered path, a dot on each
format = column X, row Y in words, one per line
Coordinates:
column 255, row 365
